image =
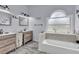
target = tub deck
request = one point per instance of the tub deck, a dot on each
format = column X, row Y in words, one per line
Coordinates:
column 59, row 47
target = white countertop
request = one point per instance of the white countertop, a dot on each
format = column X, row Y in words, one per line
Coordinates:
column 13, row 33
column 25, row 31
column 6, row 34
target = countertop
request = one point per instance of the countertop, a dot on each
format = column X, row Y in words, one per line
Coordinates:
column 6, row 34
column 25, row 31
column 13, row 33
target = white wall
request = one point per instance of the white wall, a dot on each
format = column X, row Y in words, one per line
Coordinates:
column 44, row 11
column 15, row 9
column 34, row 24
column 47, row 10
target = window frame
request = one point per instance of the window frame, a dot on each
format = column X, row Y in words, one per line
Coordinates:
column 61, row 17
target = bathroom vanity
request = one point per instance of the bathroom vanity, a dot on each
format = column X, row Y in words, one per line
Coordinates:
column 23, row 38
column 7, row 43
column 27, row 36
column 11, row 41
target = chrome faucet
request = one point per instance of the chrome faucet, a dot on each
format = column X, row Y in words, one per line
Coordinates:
column 1, row 31
column 25, row 29
column 54, row 30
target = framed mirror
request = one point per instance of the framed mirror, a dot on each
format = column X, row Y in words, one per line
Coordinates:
column 5, row 19
column 23, row 21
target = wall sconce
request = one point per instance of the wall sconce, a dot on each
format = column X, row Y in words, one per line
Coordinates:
column 77, row 11
column 4, row 7
column 24, row 14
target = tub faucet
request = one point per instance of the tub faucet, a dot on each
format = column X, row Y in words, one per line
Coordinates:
column 54, row 30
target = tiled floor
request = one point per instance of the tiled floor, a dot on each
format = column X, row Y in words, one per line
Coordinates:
column 30, row 48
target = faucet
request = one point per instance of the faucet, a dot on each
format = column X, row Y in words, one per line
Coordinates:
column 25, row 29
column 1, row 31
column 54, row 30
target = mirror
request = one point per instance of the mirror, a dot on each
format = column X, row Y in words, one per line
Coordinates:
column 23, row 21
column 5, row 19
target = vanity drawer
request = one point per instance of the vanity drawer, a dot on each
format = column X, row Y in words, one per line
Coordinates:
column 7, row 48
column 29, row 32
column 7, row 41
column 29, row 35
column 27, row 39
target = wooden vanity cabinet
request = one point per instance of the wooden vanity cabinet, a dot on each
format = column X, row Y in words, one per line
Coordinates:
column 27, row 36
column 7, row 43
column 19, row 39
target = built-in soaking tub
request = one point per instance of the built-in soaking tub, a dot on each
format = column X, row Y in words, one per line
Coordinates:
column 59, row 46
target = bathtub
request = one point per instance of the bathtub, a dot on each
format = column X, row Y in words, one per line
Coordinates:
column 57, row 46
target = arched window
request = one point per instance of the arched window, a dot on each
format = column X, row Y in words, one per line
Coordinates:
column 59, row 22
column 58, row 13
